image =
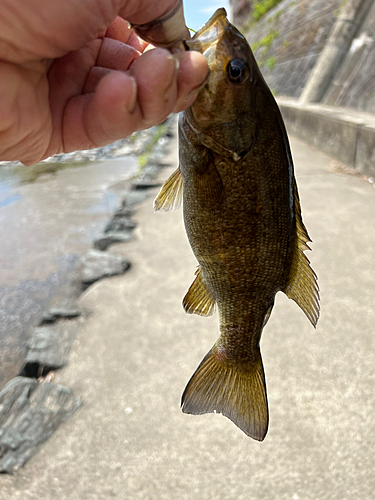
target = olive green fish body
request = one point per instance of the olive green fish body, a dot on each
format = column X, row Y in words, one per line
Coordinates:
column 243, row 236
column 243, row 221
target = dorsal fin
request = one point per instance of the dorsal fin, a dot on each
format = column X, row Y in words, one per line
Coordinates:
column 302, row 286
column 198, row 299
column 170, row 194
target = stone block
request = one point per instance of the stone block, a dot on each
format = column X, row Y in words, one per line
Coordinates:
column 30, row 412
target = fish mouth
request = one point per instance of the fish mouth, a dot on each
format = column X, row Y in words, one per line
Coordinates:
column 209, row 34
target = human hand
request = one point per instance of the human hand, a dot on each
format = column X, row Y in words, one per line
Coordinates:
column 74, row 76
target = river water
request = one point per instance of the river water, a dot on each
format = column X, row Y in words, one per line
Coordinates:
column 47, row 221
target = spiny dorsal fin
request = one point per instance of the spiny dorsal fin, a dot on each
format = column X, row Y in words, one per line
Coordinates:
column 170, row 194
column 198, row 299
column 302, row 286
column 229, row 389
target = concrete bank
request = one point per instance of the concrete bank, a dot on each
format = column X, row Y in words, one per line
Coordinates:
column 345, row 134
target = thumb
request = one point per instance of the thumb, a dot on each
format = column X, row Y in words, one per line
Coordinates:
column 164, row 30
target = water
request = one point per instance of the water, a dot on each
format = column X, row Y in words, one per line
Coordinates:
column 49, row 216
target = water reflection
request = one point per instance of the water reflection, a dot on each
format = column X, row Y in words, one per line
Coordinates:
column 49, row 216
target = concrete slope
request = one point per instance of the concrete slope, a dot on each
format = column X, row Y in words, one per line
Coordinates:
column 138, row 349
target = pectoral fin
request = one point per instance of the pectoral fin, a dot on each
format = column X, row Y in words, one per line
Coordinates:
column 170, row 194
column 208, row 185
column 198, row 299
column 302, row 286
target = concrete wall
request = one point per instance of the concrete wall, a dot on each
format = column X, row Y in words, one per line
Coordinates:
column 289, row 39
column 241, row 9
column 354, row 84
column 348, row 136
column 287, row 42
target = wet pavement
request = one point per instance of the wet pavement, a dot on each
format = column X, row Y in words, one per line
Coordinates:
column 47, row 221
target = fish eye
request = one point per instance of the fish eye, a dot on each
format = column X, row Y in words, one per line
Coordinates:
column 236, row 71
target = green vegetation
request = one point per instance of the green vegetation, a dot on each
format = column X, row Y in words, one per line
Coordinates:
column 271, row 62
column 265, row 41
column 337, row 12
column 275, row 17
column 262, row 7
column 144, row 157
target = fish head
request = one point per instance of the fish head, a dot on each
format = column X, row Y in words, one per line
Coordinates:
column 228, row 90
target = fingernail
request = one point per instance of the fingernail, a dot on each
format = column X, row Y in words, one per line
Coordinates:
column 176, row 68
column 133, row 99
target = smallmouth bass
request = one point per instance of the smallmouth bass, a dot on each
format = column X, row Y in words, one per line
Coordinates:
column 243, row 220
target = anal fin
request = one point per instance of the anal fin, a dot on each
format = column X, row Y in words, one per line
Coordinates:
column 170, row 194
column 198, row 299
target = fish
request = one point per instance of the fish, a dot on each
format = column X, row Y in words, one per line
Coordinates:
column 243, row 220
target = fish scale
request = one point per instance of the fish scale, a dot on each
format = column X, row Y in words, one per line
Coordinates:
column 243, row 220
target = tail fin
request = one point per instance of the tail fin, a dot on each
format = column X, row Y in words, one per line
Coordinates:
column 225, row 388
